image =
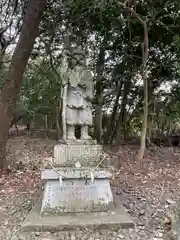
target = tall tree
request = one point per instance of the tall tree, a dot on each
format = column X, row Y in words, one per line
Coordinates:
column 11, row 88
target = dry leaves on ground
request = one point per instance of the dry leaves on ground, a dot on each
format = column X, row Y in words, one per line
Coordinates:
column 148, row 190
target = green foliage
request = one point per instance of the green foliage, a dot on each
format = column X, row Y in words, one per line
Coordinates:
column 41, row 90
column 108, row 25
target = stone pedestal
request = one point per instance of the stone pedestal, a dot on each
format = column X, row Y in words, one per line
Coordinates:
column 76, row 197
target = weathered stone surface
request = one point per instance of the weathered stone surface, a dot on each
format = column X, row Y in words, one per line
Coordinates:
column 115, row 219
column 76, row 195
column 86, row 234
column 75, row 173
column 87, row 155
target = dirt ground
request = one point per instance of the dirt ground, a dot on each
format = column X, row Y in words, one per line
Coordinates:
column 148, row 190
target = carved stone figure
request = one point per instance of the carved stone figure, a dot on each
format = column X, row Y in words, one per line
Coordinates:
column 79, row 96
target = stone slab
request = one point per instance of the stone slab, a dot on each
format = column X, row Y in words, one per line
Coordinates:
column 76, row 195
column 116, row 218
column 87, row 155
column 75, row 173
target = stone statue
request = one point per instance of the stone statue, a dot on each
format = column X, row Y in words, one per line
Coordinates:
column 79, row 95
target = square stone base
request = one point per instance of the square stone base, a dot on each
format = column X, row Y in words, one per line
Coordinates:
column 76, row 192
column 116, row 218
column 76, row 196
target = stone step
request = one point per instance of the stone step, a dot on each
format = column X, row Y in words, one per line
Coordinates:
column 116, row 218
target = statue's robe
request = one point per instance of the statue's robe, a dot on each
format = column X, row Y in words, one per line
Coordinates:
column 79, row 96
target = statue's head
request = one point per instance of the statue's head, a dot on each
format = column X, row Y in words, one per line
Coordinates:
column 76, row 57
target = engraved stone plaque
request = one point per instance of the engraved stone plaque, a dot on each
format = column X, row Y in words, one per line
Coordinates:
column 87, row 155
column 76, row 196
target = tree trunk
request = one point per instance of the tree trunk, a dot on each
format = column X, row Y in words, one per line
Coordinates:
column 114, row 113
column 33, row 121
column 145, row 50
column 46, row 124
column 117, row 131
column 140, row 154
column 58, row 129
column 11, row 89
column 149, row 127
column 98, row 111
column 99, row 94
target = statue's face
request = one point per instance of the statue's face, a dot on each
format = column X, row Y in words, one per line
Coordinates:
column 77, row 60
column 73, row 62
